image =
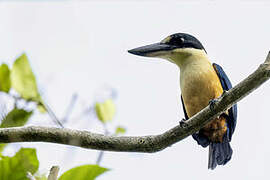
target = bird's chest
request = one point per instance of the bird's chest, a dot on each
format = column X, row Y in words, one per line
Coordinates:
column 199, row 84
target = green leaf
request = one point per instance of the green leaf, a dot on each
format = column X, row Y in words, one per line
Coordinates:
column 15, row 118
column 41, row 107
column 85, row 172
column 23, row 79
column 16, row 167
column 5, row 82
column 120, row 130
column 2, row 147
column 105, row 111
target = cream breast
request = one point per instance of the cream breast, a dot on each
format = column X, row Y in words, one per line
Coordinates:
column 199, row 84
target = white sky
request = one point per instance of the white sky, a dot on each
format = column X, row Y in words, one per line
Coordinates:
column 80, row 46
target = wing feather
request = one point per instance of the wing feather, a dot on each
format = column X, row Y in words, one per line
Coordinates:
column 226, row 85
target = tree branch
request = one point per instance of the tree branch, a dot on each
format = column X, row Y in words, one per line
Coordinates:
column 152, row 143
column 53, row 173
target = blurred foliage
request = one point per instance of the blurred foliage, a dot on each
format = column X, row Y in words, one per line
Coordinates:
column 5, row 82
column 40, row 176
column 120, row 130
column 85, row 172
column 16, row 167
column 41, row 107
column 2, row 147
column 22, row 79
column 105, row 110
column 15, row 118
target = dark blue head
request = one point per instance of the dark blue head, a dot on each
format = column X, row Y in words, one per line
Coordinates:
column 175, row 42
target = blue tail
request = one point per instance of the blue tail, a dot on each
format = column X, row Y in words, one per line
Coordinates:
column 219, row 154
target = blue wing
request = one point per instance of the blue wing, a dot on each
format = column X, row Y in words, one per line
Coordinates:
column 184, row 109
column 226, row 85
column 200, row 138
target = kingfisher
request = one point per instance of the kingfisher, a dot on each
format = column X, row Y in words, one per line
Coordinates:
column 201, row 82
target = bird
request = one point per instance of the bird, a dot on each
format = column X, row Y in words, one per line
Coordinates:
column 201, row 82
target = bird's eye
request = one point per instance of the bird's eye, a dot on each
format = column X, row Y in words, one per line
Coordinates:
column 173, row 40
column 176, row 41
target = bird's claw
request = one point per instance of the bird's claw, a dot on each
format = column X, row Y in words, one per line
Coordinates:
column 183, row 123
column 212, row 103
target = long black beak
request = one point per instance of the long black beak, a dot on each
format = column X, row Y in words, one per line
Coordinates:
column 151, row 50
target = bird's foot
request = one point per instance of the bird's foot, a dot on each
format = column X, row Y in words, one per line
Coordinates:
column 183, row 123
column 212, row 104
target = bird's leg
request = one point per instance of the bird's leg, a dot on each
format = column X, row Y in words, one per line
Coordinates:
column 212, row 104
column 183, row 123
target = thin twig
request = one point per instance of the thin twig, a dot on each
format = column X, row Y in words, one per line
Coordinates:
column 70, row 108
column 100, row 156
column 52, row 114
